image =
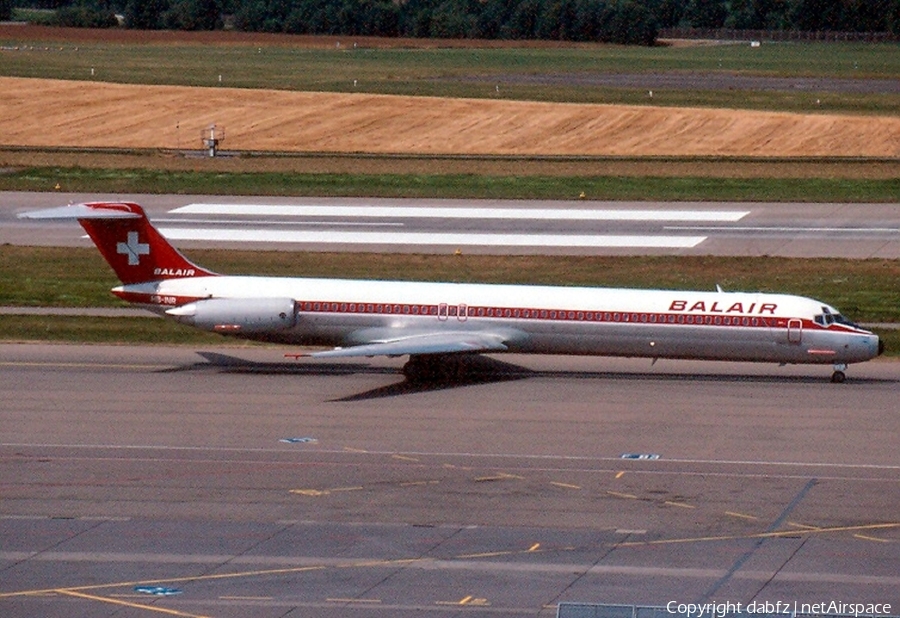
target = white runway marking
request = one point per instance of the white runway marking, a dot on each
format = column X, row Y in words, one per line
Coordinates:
column 418, row 238
column 417, row 212
column 305, row 222
column 789, row 230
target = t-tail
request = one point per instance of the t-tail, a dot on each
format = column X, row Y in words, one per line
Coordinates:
column 135, row 250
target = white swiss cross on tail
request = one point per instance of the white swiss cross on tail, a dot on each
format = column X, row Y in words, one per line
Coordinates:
column 133, row 248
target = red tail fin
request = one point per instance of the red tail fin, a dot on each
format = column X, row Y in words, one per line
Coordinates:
column 131, row 245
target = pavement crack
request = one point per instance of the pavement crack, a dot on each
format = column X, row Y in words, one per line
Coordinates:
column 779, row 569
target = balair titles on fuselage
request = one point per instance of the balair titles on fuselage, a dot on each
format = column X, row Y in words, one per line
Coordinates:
column 700, row 306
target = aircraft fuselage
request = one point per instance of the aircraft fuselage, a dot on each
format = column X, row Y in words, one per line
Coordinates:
column 529, row 319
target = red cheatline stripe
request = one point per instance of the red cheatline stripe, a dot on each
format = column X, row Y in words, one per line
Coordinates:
column 474, row 312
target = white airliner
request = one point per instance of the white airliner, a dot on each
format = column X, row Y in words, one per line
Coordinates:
column 433, row 321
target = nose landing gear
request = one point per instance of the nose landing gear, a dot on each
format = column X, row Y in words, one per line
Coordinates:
column 839, row 376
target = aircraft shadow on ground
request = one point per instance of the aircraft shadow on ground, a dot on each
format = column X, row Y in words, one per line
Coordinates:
column 467, row 370
column 472, row 370
column 464, row 370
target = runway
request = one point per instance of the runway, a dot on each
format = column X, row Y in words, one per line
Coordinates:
column 488, row 226
column 229, row 482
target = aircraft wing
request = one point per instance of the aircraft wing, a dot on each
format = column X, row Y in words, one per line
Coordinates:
column 423, row 343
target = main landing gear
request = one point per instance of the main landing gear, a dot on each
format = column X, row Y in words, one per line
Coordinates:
column 839, row 376
column 435, row 368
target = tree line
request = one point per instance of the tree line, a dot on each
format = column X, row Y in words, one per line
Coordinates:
column 616, row 21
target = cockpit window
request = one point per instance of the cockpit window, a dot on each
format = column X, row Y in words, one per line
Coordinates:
column 839, row 319
column 827, row 319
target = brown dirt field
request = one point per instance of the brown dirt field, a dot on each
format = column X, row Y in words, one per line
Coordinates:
column 48, row 113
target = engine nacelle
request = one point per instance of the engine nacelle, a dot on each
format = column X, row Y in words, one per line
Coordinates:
column 238, row 315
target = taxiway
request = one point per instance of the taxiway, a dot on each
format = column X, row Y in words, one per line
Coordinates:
column 231, row 482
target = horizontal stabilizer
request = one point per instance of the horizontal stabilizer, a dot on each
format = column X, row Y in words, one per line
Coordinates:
column 81, row 211
column 427, row 343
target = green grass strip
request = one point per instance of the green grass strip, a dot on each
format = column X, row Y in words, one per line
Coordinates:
column 865, row 290
column 476, row 72
column 471, row 186
column 83, row 329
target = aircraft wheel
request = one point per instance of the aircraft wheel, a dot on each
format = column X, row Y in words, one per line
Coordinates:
column 420, row 369
column 838, row 377
column 413, row 370
column 438, row 369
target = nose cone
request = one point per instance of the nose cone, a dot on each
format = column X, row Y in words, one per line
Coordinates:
column 863, row 347
column 873, row 346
